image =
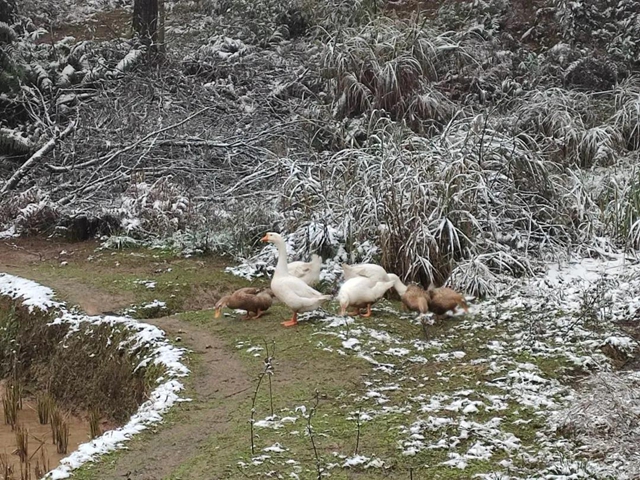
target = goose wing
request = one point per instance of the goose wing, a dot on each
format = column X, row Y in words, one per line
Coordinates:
column 299, row 288
column 299, row 269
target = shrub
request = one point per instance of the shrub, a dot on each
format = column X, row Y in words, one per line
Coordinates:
column 627, row 116
column 388, row 66
column 430, row 205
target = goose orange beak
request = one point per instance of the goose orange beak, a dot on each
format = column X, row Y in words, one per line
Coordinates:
column 218, row 313
column 265, row 238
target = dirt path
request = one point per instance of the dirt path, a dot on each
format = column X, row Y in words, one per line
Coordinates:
column 217, row 381
column 25, row 257
column 217, row 377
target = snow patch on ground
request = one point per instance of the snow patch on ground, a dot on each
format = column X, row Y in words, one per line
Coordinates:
column 509, row 339
column 275, row 422
column 31, row 294
column 9, row 233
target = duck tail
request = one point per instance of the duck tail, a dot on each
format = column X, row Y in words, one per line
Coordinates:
column 347, row 270
column 464, row 305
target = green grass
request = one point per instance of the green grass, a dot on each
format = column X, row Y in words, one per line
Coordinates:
column 307, row 359
column 121, row 272
column 301, row 368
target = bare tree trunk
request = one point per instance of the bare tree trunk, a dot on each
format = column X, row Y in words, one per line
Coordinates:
column 161, row 20
column 145, row 22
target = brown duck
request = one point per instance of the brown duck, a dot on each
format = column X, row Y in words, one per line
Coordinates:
column 436, row 300
column 255, row 301
column 444, row 299
column 413, row 297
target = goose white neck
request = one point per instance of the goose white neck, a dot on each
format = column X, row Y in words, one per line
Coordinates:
column 281, row 267
column 381, row 287
column 400, row 287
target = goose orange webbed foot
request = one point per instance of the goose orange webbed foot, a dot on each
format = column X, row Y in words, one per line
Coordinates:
column 291, row 323
column 368, row 314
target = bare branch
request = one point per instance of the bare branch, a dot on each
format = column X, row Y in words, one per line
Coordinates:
column 35, row 158
column 108, row 158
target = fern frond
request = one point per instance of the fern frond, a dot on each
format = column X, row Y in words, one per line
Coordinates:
column 12, row 142
column 36, row 34
column 94, row 74
column 7, row 35
column 43, row 80
column 129, row 61
column 66, row 77
column 77, row 56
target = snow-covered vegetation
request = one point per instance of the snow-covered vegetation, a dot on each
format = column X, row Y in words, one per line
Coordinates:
column 459, row 143
column 468, row 143
column 489, row 401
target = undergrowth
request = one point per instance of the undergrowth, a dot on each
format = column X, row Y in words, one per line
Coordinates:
column 88, row 368
column 459, row 143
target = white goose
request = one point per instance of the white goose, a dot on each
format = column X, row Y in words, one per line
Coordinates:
column 368, row 270
column 360, row 292
column 309, row 272
column 291, row 290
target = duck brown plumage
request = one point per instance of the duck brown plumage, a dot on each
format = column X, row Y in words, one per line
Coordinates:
column 444, row 299
column 436, row 300
column 254, row 300
column 413, row 297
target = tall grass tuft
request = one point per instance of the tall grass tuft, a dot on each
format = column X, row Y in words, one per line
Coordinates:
column 388, row 65
column 627, row 116
column 621, row 206
column 22, row 443
column 55, row 420
column 59, row 430
column 94, row 423
column 25, row 471
column 62, row 436
column 6, row 467
column 42, row 464
column 11, row 403
column 44, row 406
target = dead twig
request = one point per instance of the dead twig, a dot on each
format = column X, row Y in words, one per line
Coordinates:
column 20, row 173
column 311, row 434
column 110, row 157
column 268, row 371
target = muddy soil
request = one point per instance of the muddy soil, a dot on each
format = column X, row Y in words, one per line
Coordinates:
column 218, row 377
column 41, row 448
